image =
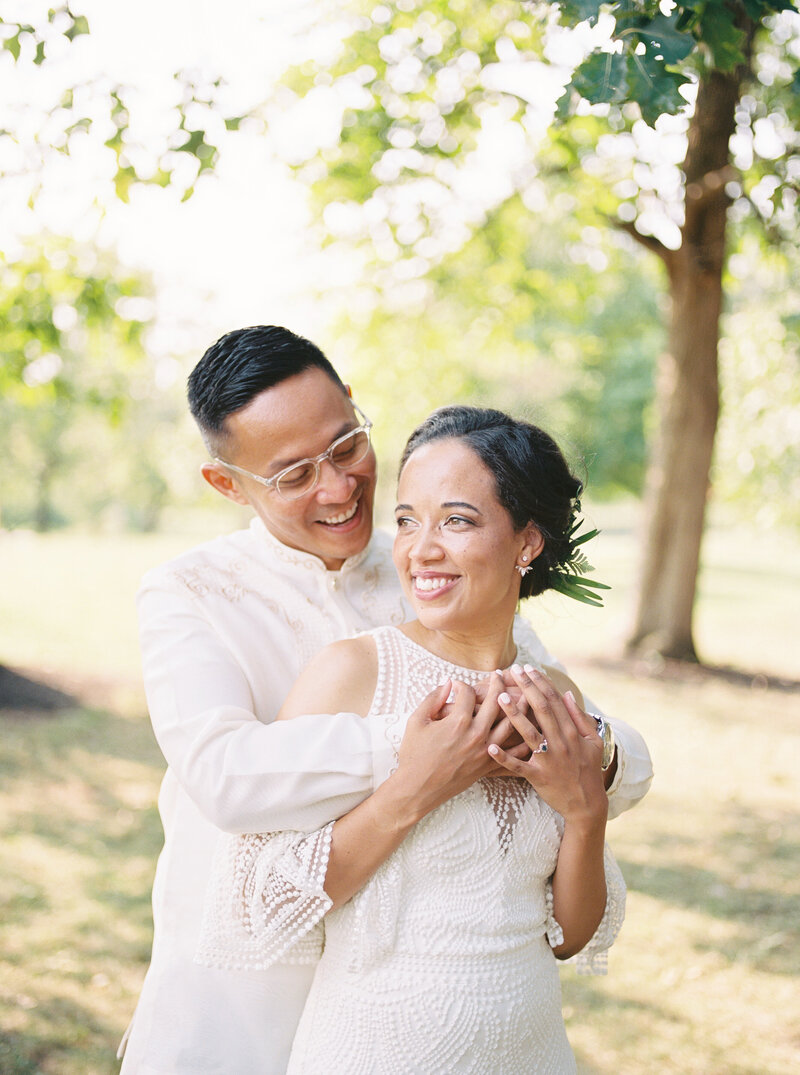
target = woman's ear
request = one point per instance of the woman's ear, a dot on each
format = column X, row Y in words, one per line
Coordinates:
column 219, row 479
column 534, row 543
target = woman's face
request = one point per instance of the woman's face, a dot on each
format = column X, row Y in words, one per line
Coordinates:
column 456, row 548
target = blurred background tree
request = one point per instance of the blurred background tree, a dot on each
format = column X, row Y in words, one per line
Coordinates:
column 84, row 422
column 481, row 251
column 432, row 98
column 84, row 110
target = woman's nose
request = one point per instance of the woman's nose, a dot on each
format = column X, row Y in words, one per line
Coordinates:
column 425, row 545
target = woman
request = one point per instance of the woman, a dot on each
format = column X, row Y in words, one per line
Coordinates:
column 444, row 960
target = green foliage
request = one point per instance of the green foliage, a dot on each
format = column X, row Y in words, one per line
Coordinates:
column 571, row 579
column 61, row 21
column 548, row 318
column 86, row 109
column 527, row 300
column 78, row 404
column 757, row 467
column 651, row 55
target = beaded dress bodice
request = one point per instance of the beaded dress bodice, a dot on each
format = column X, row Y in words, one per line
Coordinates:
column 441, row 963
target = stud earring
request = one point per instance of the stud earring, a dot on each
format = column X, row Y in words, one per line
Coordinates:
column 523, row 570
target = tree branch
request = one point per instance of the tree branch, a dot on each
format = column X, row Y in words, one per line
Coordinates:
column 649, row 242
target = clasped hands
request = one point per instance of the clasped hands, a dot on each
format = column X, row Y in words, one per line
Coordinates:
column 459, row 735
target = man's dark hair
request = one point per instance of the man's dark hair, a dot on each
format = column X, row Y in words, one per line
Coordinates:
column 242, row 364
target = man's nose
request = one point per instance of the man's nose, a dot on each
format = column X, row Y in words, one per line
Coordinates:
column 335, row 486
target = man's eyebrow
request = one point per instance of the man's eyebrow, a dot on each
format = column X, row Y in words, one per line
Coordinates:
column 282, row 464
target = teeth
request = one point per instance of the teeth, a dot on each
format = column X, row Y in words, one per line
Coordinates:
column 431, row 583
column 335, row 519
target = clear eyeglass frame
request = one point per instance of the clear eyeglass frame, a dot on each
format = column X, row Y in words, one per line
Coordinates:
column 282, row 482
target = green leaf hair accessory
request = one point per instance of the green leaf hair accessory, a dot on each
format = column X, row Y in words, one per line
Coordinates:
column 569, row 578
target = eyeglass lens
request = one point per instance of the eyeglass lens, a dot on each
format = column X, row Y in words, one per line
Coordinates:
column 345, row 452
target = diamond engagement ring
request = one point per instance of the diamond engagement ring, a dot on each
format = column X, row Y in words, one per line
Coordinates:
column 541, row 749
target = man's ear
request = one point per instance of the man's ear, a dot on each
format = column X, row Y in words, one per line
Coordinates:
column 219, row 479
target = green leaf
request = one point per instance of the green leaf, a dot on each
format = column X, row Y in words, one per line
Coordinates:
column 12, row 45
column 662, row 39
column 123, row 180
column 602, row 78
column 39, row 57
column 80, row 25
column 721, row 36
column 192, row 145
column 584, row 537
column 575, row 11
column 655, row 88
column 579, row 589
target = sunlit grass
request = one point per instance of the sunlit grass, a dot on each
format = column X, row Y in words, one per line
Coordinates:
column 703, row 979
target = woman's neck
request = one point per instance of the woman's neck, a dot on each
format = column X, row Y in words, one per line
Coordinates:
column 495, row 649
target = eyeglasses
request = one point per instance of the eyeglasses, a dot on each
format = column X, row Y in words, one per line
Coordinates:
column 303, row 476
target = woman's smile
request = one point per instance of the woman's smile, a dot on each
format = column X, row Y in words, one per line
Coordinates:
column 429, row 585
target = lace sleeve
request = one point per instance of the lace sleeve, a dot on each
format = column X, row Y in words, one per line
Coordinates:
column 593, row 958
column 266, row 900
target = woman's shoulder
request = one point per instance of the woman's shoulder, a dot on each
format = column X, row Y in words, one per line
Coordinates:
column 340, row 678
column 347, row 654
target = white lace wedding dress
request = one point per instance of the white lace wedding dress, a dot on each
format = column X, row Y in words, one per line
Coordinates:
column 442, row 963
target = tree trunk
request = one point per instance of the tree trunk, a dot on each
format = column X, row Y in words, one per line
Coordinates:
column 687, row 385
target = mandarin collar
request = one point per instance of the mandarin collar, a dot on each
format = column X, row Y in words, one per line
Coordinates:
column 288, row 555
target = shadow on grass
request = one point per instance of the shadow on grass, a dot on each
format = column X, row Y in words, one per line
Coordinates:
column 21, row 692
column 749, row 878
column 15, row 1055
column 63, row 1030
column 82, row 837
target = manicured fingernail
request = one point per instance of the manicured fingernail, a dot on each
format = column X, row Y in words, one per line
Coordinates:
column 499, row 671
column 570, row 695
column 515, row 668
column 504, row 698
column 493, row 750
column 531, row 670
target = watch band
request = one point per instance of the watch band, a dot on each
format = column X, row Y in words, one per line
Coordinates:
column 606, row 733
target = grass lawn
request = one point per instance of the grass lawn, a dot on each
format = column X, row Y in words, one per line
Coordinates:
column 704, row 977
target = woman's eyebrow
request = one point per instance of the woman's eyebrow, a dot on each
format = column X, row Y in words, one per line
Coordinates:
column 461, row 504
column 445, row 504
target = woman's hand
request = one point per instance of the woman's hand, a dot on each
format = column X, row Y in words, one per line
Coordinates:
column 444, row 748
column 566, row 751
column 564, row 768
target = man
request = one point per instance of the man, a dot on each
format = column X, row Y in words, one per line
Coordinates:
column 225, row 630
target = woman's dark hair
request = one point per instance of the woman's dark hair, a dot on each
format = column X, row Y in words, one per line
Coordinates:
column 533, row 481
column 241, row 365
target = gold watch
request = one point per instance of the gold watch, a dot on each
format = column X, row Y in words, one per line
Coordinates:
column 606, row 733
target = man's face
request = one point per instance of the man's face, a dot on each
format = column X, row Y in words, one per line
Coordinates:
column 298, row 419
